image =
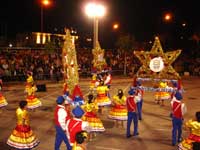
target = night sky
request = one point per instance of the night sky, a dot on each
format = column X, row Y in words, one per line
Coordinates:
column 141, row 18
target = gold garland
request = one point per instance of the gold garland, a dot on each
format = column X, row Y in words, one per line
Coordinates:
column 168, row 58
column 69, row 60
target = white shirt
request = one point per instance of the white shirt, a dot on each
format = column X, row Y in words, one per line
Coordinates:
column 62, row 114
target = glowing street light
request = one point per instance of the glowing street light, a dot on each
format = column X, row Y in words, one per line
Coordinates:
column 95, row 11
column 168, row 17
column 184, row 24
column 115, row 26
column 44, row 3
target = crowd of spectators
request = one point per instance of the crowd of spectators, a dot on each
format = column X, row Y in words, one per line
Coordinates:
column 14, row 64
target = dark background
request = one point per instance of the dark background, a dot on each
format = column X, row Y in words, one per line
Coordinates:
column 141, row 18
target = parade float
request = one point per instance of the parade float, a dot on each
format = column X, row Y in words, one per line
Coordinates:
column 157, row 69
column 70, row 72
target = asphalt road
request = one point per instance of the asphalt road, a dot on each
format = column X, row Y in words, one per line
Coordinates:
column 154, row 129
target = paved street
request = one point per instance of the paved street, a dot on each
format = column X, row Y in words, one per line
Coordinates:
column 154, row 129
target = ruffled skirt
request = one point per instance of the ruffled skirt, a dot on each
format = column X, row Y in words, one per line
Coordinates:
column 33, row 102
column 118, row 112
column 162, row 96
column 94, row 122
column 3, row 101
column 103, row 100
column 187, row 143
column 22, row 137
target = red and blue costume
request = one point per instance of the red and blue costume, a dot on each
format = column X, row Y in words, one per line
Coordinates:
column 60, row 117
column 178, row 110
column 76, row 124
column 131, row 103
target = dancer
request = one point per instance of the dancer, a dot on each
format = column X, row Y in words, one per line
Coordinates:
column 193, row 140
column 131, row 103
column 29, row 81
column 30, row 89
column 178, row 110
column 177, row 86
column 22, row 136
column 80, row 143
column 93, row 83
column 118, row 110
column 140, row 94
column 102, row 98
column 161, row 96
column 107, row 81
column 91, row 117
column 3, row 101
column 61, row 115
column 76, row 124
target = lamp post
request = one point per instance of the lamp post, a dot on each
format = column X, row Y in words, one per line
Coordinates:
column 43, row 4
column 95, row 11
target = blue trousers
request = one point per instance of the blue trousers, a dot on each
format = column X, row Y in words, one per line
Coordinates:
column 61, row 136
column 132, row 116
column 139, row 107
column 176, row 130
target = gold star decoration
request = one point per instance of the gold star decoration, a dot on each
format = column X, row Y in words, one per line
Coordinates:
column 98, row 57
column 156, row 64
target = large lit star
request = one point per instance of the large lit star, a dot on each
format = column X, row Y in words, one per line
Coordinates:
column 156, row 64
column 98, row 57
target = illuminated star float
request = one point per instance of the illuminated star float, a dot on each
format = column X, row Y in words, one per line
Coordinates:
column 157, row 65
column 98, row 58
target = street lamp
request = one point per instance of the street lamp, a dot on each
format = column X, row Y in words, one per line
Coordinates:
column 95, row 11
column 44, row 3
column 168, row 17
column 115, row 26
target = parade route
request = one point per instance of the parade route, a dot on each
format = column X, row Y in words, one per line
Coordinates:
column 154, row 129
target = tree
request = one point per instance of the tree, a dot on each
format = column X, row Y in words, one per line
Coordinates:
column 125, row 45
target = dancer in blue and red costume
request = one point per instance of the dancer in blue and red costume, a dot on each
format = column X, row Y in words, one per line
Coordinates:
column 140, row 94
column 131, row 103
column 178, row 111
column 76, row 124
column 177, row 86
column 61, row 116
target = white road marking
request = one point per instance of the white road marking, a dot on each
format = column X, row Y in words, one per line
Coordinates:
column 106, row 148
column 52, row 93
